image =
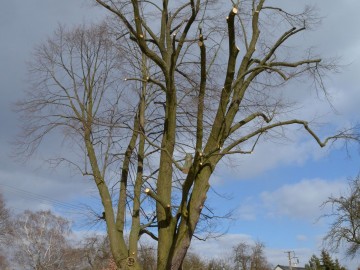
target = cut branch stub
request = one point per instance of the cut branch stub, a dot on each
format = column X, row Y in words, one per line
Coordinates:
column 187, row 164
column 201, row 40
column 166, row 206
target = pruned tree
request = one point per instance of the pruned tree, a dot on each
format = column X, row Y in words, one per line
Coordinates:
column 345, row 215
column 40, row 240
column 198, row 86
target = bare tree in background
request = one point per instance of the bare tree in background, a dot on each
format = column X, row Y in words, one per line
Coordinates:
column 147, row 256
column 96, row 252
column 242, row 258
column 40, row 240
column 4, row 220
column 5, row 231
column 345, row 227
column 219, row 264
column 250, row 257
column 197, row 85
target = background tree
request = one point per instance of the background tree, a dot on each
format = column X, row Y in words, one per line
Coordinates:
column 242, row 256
column 4, row 263
column 151, row 143
column 194, row 262
column 325, row 262
column 219, row 264
column 258, row 258
column 95, row 252
column 40, row 240
column 147, row 256
column 345, row 212
column 314, row 263
column 249, row 257
column 5, row 227
column 5, row 232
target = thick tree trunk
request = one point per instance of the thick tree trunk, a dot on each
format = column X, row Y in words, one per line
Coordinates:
column 164, row 187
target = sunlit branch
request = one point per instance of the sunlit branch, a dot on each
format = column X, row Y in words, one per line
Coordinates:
column 167, row 207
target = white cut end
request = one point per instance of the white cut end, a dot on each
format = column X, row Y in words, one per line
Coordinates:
column 147, row 190
column 235, row 10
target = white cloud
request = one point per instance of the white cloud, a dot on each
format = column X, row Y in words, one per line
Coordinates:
column 301, row 237
column 247, row 211
column 270, row 155
column 220, row 247
column 301, row 200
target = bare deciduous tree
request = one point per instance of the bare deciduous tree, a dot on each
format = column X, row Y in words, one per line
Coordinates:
column 40, row 240
column 345, row 227
column 4, row 263
column 249, row 257
column 96, row 252
column 4, row 220
column 147, row 256
column 5, row 232
column 219, row 264
column 189, row 98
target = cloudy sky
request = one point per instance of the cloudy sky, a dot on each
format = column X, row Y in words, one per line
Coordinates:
column 275, row 194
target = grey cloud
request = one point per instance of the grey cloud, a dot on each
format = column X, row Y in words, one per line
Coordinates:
column 31, row 190
column 24, row 24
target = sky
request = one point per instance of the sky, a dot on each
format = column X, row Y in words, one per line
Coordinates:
column 274, row 195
